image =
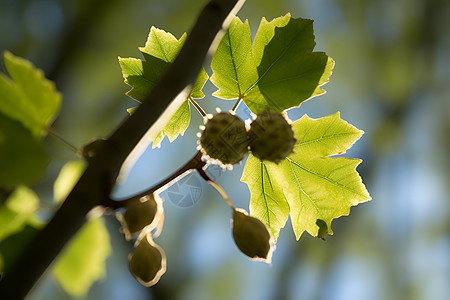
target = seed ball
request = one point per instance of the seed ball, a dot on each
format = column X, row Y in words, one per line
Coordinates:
column 147, row 263
column 251, row 236
column 225, row 139
column 271, row 136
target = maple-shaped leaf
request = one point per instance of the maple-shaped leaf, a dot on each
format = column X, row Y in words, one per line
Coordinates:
column 279, row 71
column 159, row 52
column 316, row 188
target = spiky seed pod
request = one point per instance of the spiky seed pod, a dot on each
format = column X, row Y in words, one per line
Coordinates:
column 251, row 236
column 271, row 136
column 224, row 139
column 147, row 263
column 140, row 214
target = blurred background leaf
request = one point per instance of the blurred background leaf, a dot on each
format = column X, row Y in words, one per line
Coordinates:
column 83, row 260
column 18, row 224
column 22, row 156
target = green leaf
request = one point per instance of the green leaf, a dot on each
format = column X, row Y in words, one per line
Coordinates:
column 83, row 261
column 280, row 71
column 267, row 201
column 233, row 71
column 67, row 178
column 175, row 126
column 159, row 52
column 27, row 96
column 13, row 246
column 318, row 188
column 22, row 157
column 162, row 45
column 141, row 75
column 18, row 224
column 18, row 210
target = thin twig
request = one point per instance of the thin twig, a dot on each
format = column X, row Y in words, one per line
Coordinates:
column 56, row 135
column 236, row 104
column 198, row 107
column 216, row 186
column 195, row 163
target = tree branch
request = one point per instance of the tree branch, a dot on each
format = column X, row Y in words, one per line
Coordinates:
column 195, row 163
column 95, row 184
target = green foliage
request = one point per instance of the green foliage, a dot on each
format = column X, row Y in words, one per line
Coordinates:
column 267, row 201
column 309, row 185
column 277, row 71
column 232, row 67
column 159, row 51
column 28, row 97
column 14, row 245
column 22, row 157
column 280, row 71
column 29, row 103
column 67, row 178
column 18, row 224
column 83, row 261
column 18, row 211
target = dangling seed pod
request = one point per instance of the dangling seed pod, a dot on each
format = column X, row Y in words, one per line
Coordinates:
column 147, row 263
column 224, row 139
column 140, row 214
column 271, row 136
column 251, row 236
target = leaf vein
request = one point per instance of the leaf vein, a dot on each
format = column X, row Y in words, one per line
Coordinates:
column 325, row 138
column 302, row 191
column 161, row 48
column 263, row 168
column 274, row 62
column 324, row 177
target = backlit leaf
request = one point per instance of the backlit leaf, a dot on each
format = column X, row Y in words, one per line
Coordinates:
column 67, row 178
column 83, row 261
column 280, row 71
column 318, row 188
column 27, row 96
column 17, row 211
column 267, row 201
column 232, row 62
column 18, row 224
column 159, row 51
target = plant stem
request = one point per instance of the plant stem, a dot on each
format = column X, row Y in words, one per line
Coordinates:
column 56, row 135
column 195, row 163
column 198, row 107
column 216, row 186
column 236, row 104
